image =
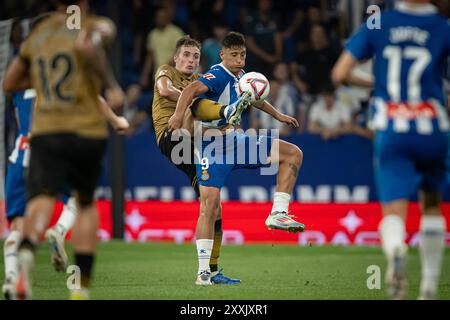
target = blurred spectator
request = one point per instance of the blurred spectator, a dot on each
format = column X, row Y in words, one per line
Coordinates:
column 140, row 9
column 233, row 11
column 283, row 96
column 356, row 100
column 211, row 47
column 328, row 117
column 264, row 41
column 135, row 111
column 23, row 8
column 291, row 20
column 313, row 66
column 313, row 15
column 161, row 43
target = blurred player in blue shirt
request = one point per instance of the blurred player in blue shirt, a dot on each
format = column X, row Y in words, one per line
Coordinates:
column 410, row 48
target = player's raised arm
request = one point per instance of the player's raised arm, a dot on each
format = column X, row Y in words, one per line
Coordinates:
column 90, row 45
column 17, row 76
column 342, row 72
column 271, row 110
column 186, row 98
column 342, row 69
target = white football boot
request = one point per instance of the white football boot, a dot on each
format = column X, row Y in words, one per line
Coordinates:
column 58, row 253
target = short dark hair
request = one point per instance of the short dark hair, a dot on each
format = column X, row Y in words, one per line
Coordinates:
column 233, row 39
column 187, row 41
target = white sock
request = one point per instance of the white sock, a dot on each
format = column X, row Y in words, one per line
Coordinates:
column 10, row 248
column 26, row 259
column 431, row 244
column 281, row 202
column 392, row 230
column 204, row 248
column 67, row 218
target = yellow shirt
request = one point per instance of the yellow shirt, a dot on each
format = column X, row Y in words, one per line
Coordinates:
column 162, row 43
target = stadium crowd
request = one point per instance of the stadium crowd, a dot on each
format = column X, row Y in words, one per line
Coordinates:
column 294, row 43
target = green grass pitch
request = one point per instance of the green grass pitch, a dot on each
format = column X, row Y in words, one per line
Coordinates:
column 166, row 271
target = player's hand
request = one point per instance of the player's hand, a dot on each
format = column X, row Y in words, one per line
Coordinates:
column 115, row 97
column 288, row 120
column 121, row 125
column 175, row 122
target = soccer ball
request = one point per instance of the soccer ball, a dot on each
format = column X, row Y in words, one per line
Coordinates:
column 255, row 83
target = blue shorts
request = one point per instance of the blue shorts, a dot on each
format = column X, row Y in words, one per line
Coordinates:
column 16, row 199
column 406, row 163
column 230, row 152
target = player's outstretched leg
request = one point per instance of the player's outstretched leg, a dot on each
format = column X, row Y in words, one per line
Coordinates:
column 392, row 231
column 55, row 236
column 10, row 249
column 289, row 157
column 431, row 245
column 208, row 110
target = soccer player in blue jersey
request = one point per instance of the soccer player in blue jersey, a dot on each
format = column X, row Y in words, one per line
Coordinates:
column 218, row 84
column 16, row 195
column 410, row 121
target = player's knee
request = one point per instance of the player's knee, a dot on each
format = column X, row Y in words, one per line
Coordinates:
column 210, row 203
column 295, row 155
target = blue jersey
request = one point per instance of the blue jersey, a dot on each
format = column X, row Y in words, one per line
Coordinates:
column 19, row 158
column 222, row 89
column 23, row 105
column 410, row 50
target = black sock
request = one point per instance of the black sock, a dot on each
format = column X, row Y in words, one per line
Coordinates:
column 27, row 244
column 222, row 111
column 214, row 267
column 85, row 262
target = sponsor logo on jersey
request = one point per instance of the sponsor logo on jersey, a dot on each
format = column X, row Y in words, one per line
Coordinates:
column 209, row 76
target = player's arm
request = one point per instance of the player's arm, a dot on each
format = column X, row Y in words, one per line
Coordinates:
column 120, row 124
column 358, row 48
column 17, row 77
column 186, row 98
column 342, row 72
column 270, row 109
column 89, row 45
column 167, row 89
